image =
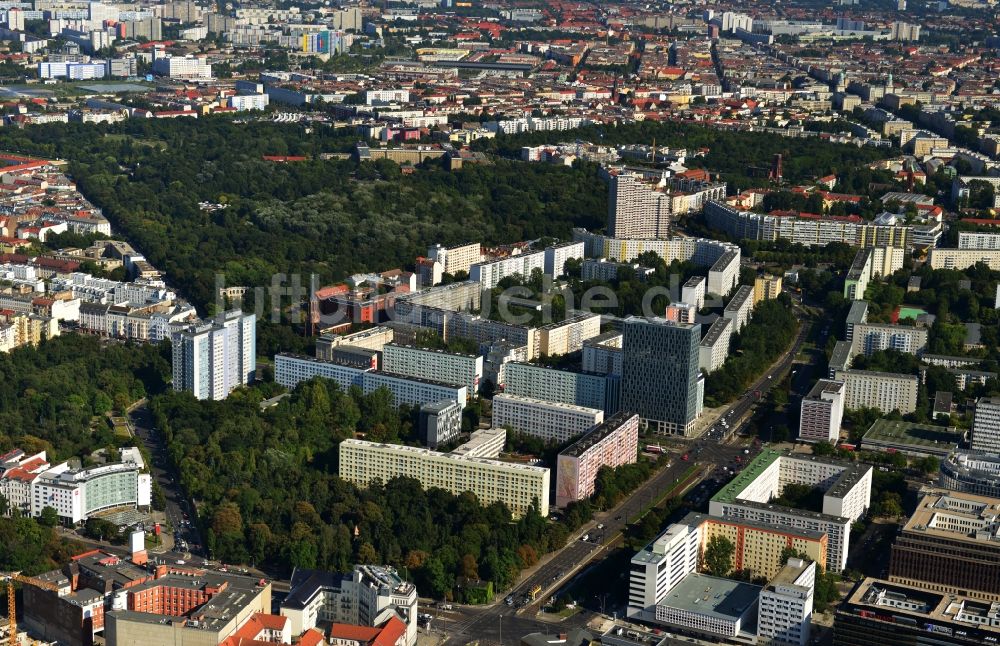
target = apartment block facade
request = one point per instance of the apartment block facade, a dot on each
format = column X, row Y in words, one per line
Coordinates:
column 613, row 443
column 885, row 391
column 212, row 359
column 516, row 485
column 438, row 365
column 549, row 384
column 550, row 421
column 822, row 412
column 986, row 426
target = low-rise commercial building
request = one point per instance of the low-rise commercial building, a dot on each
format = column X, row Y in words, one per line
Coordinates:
column 550, row 421
column 518, row 486
column 612, row 444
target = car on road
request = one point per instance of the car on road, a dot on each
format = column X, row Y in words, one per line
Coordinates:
column 600, row 525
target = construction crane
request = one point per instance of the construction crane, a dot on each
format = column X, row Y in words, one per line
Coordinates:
column 11, row 577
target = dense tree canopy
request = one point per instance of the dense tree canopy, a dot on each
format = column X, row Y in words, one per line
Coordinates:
column 332, row 217
column 770, row 332
column 53, row 397
column 267, row 490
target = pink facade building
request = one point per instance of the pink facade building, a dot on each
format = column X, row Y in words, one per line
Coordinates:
column 612, row 443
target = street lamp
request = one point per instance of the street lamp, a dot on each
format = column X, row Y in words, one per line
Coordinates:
column 500, row 621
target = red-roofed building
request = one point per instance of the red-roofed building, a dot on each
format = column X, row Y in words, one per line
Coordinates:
column 392, row 633
column 17, row 471
column 262, row 629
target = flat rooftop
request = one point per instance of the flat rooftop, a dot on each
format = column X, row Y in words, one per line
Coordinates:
column 857, row 313
column 911, row 437
column 711, row 596
column 858, row 264
column 841, row 357
column 695, row 518
column 741, row 296
column 715, row 331
column 546, row 404
column 212, row 615
column 898, row 603
column 957, row 516
column 597, row 434
column 757, row 466
column 825, row 386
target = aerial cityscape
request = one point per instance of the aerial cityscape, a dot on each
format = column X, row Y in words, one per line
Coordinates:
column 500, row 323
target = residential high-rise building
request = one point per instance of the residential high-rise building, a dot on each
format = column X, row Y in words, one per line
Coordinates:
column 659, row 567
column 516, row 485
column 456, row 259
column 822, row 411
column 693, row 291
column 784, row 611
column 766, row 288
column 986, row 426
column 846, row 497
column 635, row 208
column 714, row 347
column 740, row 307
column 869, row 338
column 660, row 375
column 885, row 391
column 439, row 422
column 211, row 359
column 612, row 443
column 557, row 255
column 554, row 385
column 549, row 421
column 490, row 273
column 447, row 367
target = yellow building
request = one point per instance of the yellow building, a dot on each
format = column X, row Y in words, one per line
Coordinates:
column 759, row 546
column 25, row 329
column 766, row 288
column 518, row 486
